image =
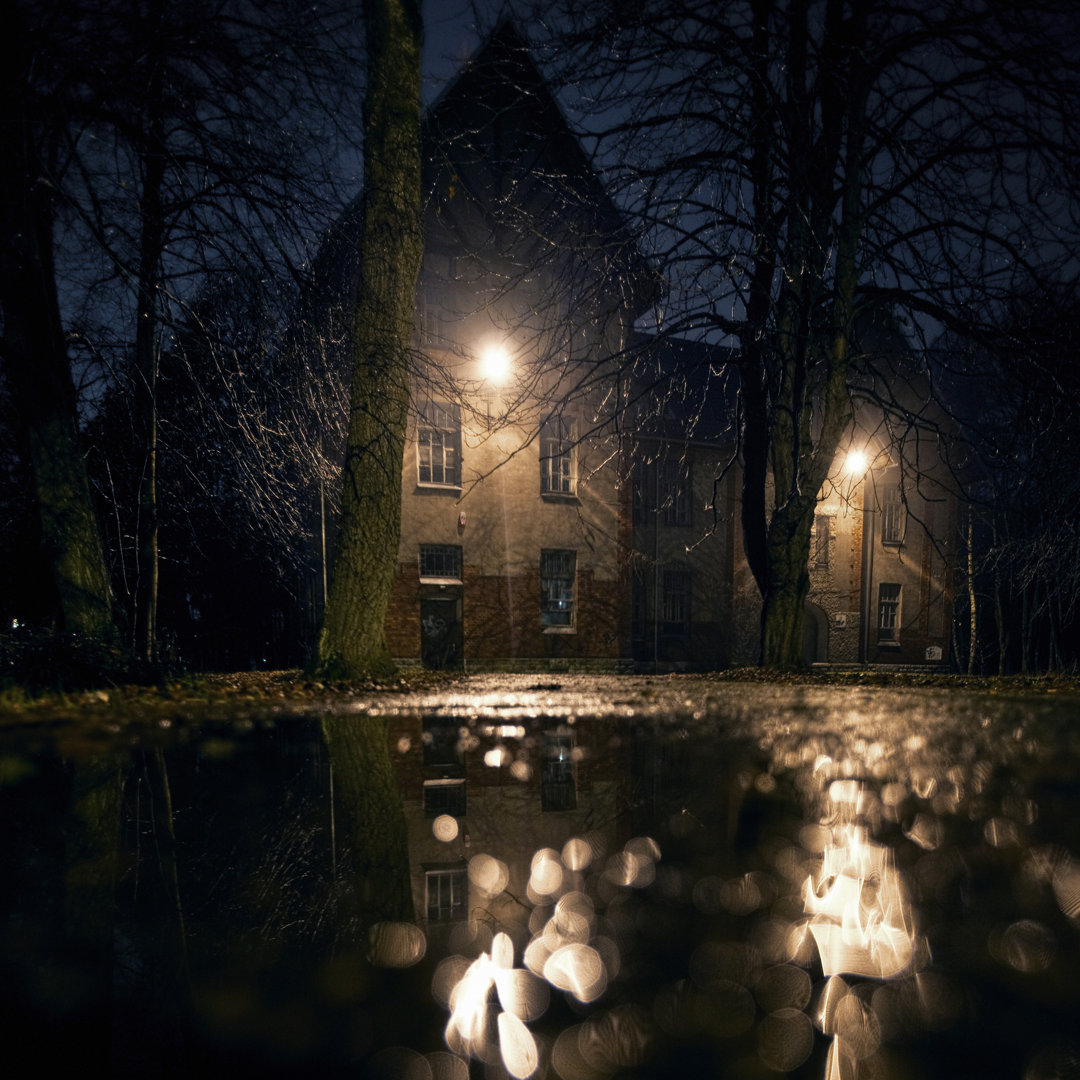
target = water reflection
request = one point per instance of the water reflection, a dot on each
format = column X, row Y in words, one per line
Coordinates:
column 830, row 888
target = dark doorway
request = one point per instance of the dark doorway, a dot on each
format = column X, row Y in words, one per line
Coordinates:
column 815, row 635
column 440, row 632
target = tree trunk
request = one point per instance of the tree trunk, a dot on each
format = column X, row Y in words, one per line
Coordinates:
column 783, row 608
column 352, row 641
column 38, row 370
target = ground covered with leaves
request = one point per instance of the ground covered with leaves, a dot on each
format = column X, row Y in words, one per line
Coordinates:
column 50, row 680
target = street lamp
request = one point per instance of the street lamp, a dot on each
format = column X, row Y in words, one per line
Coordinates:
column 495, row 364
column 856, row 463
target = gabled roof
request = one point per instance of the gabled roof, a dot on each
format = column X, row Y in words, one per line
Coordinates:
column 498, row 131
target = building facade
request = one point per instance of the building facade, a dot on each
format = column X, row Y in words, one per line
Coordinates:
column 543, row 530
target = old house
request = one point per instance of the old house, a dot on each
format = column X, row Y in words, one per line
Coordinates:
column 557, row 515
column 518, row 513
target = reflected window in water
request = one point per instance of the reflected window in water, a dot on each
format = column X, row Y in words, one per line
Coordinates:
column 558, row 784
column 441, row 742
column 446, row 890
column 444, row 797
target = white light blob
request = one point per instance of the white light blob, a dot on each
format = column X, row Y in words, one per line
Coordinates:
column 444, row 828
column 577, row 969
column 488, row 874
column 547, row 872
column 518, row 1047
column 522, row 993
column 577, row 854
column 495, row 364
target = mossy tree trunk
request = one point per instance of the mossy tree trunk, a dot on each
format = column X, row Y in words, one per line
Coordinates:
column 36, row 361
column 352, row 640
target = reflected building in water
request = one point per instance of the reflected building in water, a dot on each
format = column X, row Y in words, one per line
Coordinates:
column 482, row 798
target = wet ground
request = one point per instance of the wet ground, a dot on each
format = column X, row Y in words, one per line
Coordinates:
column 610, row 877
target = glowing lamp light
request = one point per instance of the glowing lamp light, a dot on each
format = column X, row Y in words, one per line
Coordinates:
column 856, row 463
column 495, row 364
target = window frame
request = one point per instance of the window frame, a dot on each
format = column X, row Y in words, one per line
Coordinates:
column 671, row 627
column 893, row 515
column 558, row 772
column 565, row 594
column 673, row 503
column 558, row 453
column 889, row 613
column 821, row 533
column 677, row 486
column 455, row 564
column 448, row 795
column 455, row 877
column 438, row 422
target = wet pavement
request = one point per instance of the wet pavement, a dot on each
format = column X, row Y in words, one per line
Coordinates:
column 611, row 877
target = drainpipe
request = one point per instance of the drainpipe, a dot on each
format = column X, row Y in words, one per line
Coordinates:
column 867, row 577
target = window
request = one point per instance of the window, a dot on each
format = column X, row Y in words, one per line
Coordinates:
column 447, row 893
column 444, row 797
column 888, row 613
column 820, row 541
column 893, row 515
column 438, row 445
column 557, row 573
column 440, row 562
column 662, row 487
column 676, row 602
column 442, row 742
column 429, row 306
column 558, row 457
column 675, row 492
column 558, row 785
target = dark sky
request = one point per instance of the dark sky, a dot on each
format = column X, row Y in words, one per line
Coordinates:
column 449, row 39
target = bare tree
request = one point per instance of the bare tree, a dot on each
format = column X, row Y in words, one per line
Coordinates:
column 1018, row 398
column 791, row 162
column 185, row 142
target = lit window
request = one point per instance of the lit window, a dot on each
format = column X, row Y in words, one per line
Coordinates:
column 558, row 457
column 889, row 613
column 557, row 573
column 438, row 445
column 447, row 894
column 893, row 515
column 440, row 562
column 676, row 603
column 558, row 785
